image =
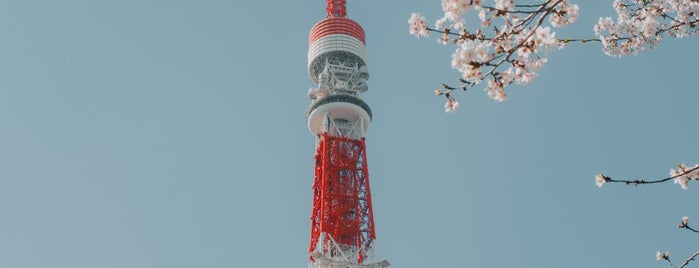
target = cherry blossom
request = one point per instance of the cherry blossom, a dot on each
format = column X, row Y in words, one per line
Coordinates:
column 512, row 41
column 641, row 25
column 496, row 90
column 505, row 5
column 600, row 179
column 684, row 223
column 418, row 26
column 683, row 181
column 683, row 175
column 451, row 106
column 469, row 58
column 662, row 256
column 509, row 46
column 564, row 15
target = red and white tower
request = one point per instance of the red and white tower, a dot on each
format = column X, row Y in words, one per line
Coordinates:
column 342, row 221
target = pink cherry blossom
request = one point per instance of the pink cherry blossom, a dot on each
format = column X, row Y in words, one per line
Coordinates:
column 662, row 256
column 418, row 28
column 564, row 14
column 642, row 25
column 684, row 175
column 451, row 106
column 512, row 41
column 600, row 180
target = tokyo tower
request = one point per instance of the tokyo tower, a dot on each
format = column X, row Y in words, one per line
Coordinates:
column 342, row 221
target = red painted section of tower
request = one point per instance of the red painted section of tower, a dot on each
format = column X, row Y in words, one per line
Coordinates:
column 341, row 196
column 336, row 8
column 336, row 25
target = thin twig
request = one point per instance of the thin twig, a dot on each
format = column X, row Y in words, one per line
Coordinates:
column 637, row 182
column 686, row 226
column 691, row 258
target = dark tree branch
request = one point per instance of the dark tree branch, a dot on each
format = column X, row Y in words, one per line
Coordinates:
column 639, row 181
column 691, row 258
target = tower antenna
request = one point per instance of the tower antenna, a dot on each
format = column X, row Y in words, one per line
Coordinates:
column 336, row 8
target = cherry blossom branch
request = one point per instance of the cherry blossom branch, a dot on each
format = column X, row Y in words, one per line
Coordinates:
column 499, row 55
column 581, row 40
column 681, row 176
column 684, row 224
column 508, row 49
column 682, row 173
column 600, row 179
column 530, row 5
column 473, row 36
column 666, row 256
column 643, row 24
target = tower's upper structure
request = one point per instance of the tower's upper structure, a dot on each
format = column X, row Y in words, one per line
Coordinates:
column 337, row 63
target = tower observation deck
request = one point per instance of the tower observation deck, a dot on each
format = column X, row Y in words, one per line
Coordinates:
column 342, row 221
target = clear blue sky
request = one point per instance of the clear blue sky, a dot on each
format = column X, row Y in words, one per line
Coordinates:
column 172, row 134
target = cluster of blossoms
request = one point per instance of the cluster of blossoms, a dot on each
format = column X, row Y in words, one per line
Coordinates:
column 642, row 24
column 682, row 175
column 511, row 42
column 511, row 50
column 418, row 27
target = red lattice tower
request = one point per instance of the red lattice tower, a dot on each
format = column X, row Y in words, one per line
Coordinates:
column 342, row 221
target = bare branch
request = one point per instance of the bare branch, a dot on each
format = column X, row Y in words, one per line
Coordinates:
column 637, row 182
column 691, row 258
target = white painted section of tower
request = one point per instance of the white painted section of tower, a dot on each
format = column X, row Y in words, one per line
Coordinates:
column 338, row 110
column 332, row 44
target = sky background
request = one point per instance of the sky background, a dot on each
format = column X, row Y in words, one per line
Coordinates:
column 172, row 134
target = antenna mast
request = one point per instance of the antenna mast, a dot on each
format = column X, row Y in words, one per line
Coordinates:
column 336, row 8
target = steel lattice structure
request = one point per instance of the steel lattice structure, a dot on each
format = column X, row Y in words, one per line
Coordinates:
column 342, row 221
column 341, row 198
